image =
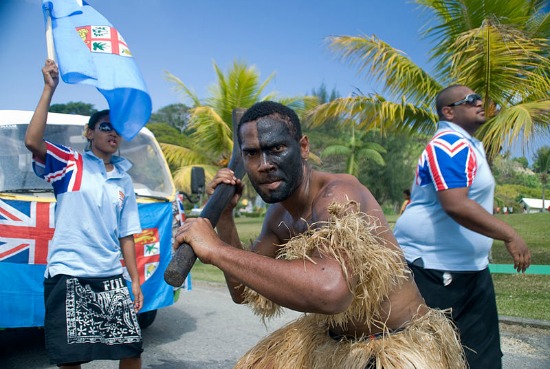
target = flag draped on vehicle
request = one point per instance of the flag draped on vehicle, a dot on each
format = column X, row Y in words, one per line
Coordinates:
column 91, row 51
column 26, row 229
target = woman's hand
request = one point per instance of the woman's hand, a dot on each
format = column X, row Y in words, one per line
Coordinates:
column 138, row 296
column 50, row 72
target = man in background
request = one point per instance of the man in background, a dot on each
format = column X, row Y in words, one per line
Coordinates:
column 448, row 228
column 407, row 201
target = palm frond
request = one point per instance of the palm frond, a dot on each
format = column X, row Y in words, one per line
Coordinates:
column 379, row 61
column 500, row 62
column 375, row 147
column 179, row 86
column 239, row 87
column 210, row 130
column 521, row 120
column 454, row 18
column 538, row 24
column 370, row 154
column 375, row 112
column 178, row 156
column 497, row 48
column 335, row 150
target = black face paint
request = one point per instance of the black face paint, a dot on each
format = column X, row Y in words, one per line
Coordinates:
column 277, row 170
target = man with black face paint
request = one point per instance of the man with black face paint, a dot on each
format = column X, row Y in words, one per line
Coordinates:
column 325, row 249
column 274, row 185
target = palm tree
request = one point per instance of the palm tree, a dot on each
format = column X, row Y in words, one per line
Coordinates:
column 542, row 166
column 497, row 48
column 356, row 150
column 209, row 133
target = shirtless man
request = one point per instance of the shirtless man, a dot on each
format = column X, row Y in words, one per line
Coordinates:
column 275, row 158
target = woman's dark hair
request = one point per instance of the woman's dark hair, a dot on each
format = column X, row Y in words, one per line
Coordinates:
column 95, row 118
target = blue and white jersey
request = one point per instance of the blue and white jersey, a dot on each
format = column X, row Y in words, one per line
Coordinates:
column 94, row 209
column 452, row 159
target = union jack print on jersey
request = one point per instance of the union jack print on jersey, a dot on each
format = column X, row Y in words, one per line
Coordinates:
column 64, row 170
column 26, row 228
column 448, row 161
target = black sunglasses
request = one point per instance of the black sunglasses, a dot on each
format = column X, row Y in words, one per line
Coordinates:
column 470, row 99
column 106, row 127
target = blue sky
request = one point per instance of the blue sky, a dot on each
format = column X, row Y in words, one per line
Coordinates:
column 183, row 37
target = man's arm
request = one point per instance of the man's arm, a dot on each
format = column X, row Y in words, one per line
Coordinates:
column 300, row 285
column 473, row 216
column 227, row 231
column 226, row 228
column 129, row 254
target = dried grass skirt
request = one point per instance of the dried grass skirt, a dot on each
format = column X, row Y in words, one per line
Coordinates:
column 429, row 342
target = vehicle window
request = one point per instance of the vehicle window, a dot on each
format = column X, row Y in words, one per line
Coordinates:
column 16, row 160
column 149, row 173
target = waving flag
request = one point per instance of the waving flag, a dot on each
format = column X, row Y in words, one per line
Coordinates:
column 91, row 51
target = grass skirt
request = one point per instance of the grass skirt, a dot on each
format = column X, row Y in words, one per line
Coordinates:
column 429, row 342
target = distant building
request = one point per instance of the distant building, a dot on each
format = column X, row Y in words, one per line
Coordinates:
column 534, row 205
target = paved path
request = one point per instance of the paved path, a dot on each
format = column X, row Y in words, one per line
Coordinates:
column 205, row 330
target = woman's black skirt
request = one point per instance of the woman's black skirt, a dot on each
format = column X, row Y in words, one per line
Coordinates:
column 89, row 319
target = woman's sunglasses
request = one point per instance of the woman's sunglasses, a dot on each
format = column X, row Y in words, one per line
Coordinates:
column 106, row 127
column 470, row 99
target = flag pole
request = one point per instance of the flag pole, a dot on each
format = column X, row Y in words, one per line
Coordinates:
column 49, row 37
column 50, row 47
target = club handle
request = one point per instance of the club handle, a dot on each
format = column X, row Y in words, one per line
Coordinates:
column 180, row 265
column 183, row 259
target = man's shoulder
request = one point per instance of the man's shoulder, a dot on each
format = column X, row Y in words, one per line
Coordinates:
column 275, row 212
column 331, row 179
column 341, row 187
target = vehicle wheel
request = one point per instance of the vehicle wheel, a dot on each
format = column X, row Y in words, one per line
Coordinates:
column 147, row 318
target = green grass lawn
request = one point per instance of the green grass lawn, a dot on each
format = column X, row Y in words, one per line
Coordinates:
column 519, row 295
column 525, row 295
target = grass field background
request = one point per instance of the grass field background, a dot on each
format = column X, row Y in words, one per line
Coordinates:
column 518, row 295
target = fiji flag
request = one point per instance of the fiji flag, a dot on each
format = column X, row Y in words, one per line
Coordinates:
column 153, row 254
column 91, row 51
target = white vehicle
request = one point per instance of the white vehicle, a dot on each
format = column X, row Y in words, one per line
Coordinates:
column 27, row 211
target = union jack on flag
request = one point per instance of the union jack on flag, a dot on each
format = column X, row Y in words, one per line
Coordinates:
column 26, row 229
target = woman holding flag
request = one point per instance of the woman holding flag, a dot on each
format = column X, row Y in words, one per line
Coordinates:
column 89, row 311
